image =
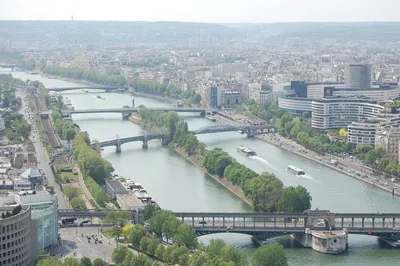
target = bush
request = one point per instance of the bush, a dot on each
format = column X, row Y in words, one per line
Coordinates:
column 78, row 204
column 72, row 192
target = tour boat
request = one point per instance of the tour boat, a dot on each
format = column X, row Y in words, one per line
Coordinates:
column 295, row 170
column 245, row 150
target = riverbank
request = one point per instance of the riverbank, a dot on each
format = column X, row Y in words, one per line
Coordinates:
column 236, row 190
column 269, row 140
column 152, row 96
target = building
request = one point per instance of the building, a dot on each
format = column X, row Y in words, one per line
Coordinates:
column 388, row 137
column 231, row 98
column 213, row 96
column 114, row 187
column 33, row 176
column 294, row 105
column 44, row 209
column 358, row 76
column 336, row 113
column 18, row 245
column 259, row 95
column 362, row 133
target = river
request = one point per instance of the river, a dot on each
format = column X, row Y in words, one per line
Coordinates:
column 178, row 185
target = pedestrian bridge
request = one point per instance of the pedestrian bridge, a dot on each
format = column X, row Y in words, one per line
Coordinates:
column 106, row 88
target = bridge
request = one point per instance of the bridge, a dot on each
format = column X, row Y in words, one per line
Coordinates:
column 250, row 130
column 106, row 88
column 128, row 111
column 268, row 225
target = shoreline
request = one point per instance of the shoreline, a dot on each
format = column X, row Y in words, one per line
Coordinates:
column 266, row 140
column 223, row 181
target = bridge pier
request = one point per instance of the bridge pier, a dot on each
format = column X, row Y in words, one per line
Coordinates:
column 145, row 145
column 203, row 113
column 126, row 115
column 118, row 148
column 133, row 102
column 165, row 141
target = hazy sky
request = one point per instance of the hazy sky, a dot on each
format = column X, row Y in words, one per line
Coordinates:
column 202, row 10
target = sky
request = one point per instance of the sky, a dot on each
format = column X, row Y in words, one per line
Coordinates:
column 212, row 11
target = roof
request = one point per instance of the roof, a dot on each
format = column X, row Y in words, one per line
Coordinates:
column 31, row 172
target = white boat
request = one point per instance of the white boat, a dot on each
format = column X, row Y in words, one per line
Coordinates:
column 295, row 170
column 245, row 150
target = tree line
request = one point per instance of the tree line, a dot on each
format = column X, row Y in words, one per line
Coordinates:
column 305, row 135
column 94, row 168
column 84, row 261
column 65, row 129
column 265, row 190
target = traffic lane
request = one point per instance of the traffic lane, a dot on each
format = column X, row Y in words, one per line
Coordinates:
column 75, row 246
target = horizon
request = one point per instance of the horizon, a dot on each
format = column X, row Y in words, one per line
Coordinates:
column 205, row 11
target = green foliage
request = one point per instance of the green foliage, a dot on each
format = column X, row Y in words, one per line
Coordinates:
column 50, row 261
column 85, row 261
column 270, row 255
column 92, row 76
column 294, row 199
column 99, row 262
column 16, row 127
column 117, row 218
column 148, row 211
column 94, row 167
column 218, row 249
column 267, row 112
column 303, row 134
column 72, row 192
column 65, row 129
column 119, row 254
column 136, row 235
column 71, row 262
column 78, row 204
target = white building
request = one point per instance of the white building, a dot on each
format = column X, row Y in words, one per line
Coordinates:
column 295, row 105
column 362, row 133
column 338, row 113
column 258, row 95
column 388, row 137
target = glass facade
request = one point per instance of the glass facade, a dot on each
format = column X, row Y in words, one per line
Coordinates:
column 45, row 214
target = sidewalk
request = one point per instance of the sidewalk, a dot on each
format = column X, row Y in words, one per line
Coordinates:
column 85, row 190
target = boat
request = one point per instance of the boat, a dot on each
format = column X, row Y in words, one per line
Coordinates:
column 295, row 170
column 99, row 97
column 247, row 151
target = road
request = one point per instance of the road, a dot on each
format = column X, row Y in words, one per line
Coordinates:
column 72, row 241
column 40, row 150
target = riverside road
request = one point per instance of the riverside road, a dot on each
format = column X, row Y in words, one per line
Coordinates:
column 178, row 185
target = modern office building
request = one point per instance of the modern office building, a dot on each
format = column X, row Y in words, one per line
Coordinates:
column 336, row 113
column 358, row 76
column 294, row 105
column 214, row 95
column 44, row 211
column 18, row 245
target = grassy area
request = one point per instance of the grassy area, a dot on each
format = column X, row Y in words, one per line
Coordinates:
column 66, row 173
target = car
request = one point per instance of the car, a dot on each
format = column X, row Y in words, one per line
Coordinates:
column 202, row 222
column 361, row 229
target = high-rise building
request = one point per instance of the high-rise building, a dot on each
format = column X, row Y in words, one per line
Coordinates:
column 358, row 76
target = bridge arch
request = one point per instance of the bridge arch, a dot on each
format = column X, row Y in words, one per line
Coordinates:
column 216, row 128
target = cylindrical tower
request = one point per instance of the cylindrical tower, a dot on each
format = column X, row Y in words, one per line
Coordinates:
column 358, row 76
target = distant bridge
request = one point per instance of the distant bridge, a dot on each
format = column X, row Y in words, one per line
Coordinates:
column 250, row 130
column 12, row 66
column 126, row 111
column 106, row 88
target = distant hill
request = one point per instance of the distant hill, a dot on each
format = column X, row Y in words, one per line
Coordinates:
column 118, row 32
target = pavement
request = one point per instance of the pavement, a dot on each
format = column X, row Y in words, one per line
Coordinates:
column 73, row 245
column 41, row 153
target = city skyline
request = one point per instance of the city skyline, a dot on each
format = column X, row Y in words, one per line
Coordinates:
column 223, row 11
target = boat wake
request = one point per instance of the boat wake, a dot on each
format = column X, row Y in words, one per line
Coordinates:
column 262, row 160
column 310, row 178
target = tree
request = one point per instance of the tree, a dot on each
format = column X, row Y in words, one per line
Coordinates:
column 119, row 254
column 85, row 261
column 185, row 235
column 270, row 255
column 343, row 132
column 126, row 230
column 72, row 192
column 148, row 211
column 215, row 247
column 221, row 163
column 136, row 235
column 117, row 218
column 159, row 252
column 99, row 262
column 50, row 261
column 294, row 199
column 71, row 262
column 78, row 204
column 170, row 227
